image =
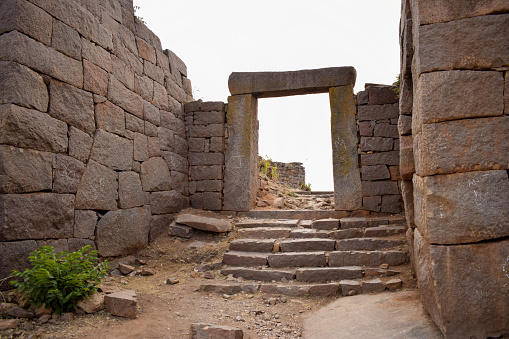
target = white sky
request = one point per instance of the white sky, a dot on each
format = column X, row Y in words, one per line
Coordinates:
column 216, row 38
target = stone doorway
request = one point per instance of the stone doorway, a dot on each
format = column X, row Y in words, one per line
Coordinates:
column 241, row 158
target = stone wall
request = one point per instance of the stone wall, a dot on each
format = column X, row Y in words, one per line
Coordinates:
column 377, row 114
column 205, row 125
column 93, row 146
column 454, row 128
column 291, row 174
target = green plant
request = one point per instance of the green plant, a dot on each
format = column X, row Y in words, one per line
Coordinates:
column 138, row 17
column 268, row 168
column 273, row 172
column 305, row 187
column 60, row 280
column 397, row 85
column 289, row 192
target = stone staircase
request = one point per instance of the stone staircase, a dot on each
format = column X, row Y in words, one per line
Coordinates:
column 316, row 257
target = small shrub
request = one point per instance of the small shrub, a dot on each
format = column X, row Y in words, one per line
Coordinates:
column 60, row 280
column 397, row 85
column 267, row 168
column 305, row 187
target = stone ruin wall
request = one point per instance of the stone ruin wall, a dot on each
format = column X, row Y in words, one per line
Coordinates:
column 291, row 174
column 454, row 127
column 93, row 146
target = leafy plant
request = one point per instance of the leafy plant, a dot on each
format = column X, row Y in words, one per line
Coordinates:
column 273, row 172
column 305, row 187
column 397, row 85
column 138, row 17
column 289, row 192
column 60, row 280
column 268, row 168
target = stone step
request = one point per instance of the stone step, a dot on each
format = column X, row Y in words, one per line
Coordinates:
column 235, row 258
column 307, row 245
column 265, row 232
column 366, row 258
column 326, row 274
column 367, row 244
column 259, row 275
column 384, row 231
column 294, row 214
column 252, row 223
column 253, row 245
column 325, row 224
column 315, row 193
column 297, row 259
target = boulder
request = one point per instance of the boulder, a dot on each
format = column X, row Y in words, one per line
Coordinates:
column 122, row 304
column 93, row 303
column 208, row 331
column 204, row 223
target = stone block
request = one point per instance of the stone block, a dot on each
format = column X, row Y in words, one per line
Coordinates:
column 140, row 147
column 206, row 158
column 134, row 124
column 379, row 187
column 376, row 144
column 207, row 118
column 350, row 287
column 395, row 174
column 377, row 172
column 308, row 259
column 453, row 95
column 221, row 288
column 384, row 158
column 130, row 193
column 265, row 232
column 67, row 173
column 84, row 223
column 324, row 289
column 212, row 201
column 97, row 189
column 209, row 186
column 112, row 151
column 154, row 147
column 273, row 84
column 347, row 223
column 72, row 105
column 20, row 48
column 66, row 40
column 466, row 293
column 36, row 216
column 122, row 304
column 144, row 86
column 181, row 231
column 307, row 245
column 303, row 233
column 373, row 286
column 386, row 130
column 167, row 202
column 209, row 106
column 325, row 274
column 463, row 207
column 407, row 193
column 95, row 79
column 75, row 244
column 22, row 127
column 155, row 175
column 365, row 129
column 294, row 291
column 14, row 256
column 406, row 160
column 462, row 145
column 325, row 224
column 160, row 225
column 405, row 125
column 80, row 144
column 123, row 97
column 384, row 231
column 145, row 51
column 381, row 95
column 151, row 113
column 252, row 245
column 205, row 223
column 346, row 234
column 206, row 172
column 372, row 204
column 347, row 179
column 259, row 275
column 378, row 112
column 154, row 72
column 363, row 98
column 394, row 258
column 93, row 303
column 367, row 244
column 26, row 18
column 160, row 97
column 233, row 258
column 21, row 86
column 98, row 56
column 59, row 245
column 179, row 182
column 473, row 43
column 208, row 331
column 123, row 232
column 110, row 117
column 206, row 131
column 24, row 171
column 391, row 204
column 393, row 284
column 197, row 144
column 355, row 258
column 178, row 163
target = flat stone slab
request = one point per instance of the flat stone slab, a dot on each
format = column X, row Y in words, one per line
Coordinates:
column 206, row 331
column 204, row 223
column 259, row 275
column 384, row 231
column 252, row 245
column 325, row 274
column 398, row 315
column 277, row 84
column 235, row 258
column 265, row 232
column 307, row 245
column 122, row 304
column 297, row 259
column 294, row 214
column 367, row 244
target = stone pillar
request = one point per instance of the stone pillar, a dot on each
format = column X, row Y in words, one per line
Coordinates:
column 241, row 157
column 347, row 178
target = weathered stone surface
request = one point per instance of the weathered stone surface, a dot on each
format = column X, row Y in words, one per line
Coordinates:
column 367, row 244
column 123, row 232
column 463, row 207
column 6, row 324
column 93, row 303
column 393, row 284
column 347, row 178
column 378, row 112
column 130, row 193
column 352, row 258
column 144, row 86
column 14, row 256
column 308, row 259
column 365, row 129
column 379, row 187
column 407, row 194
column 22, row 127
column 209, row 186
column 325, row 274
column 97, row 189
column 384, row 158
column 167, row 202
column 67, row 173
column 23, row 170
column 66, row 40
column 36, row 216
column 208, row 331
column 22, row 86
column 178, row 163
column 95, row 79
column 58, row 245
column 98, row 56
column 134, row 123
column 405, row 125
column 473, row 277
column 381, row 95
column 84, row 223
column 140, row 147
column 452, row 95
column 275, row 84
column 386, row 130
column 265, row 232
column 155, row 175
column 307, row 245
column 350, row 287
column 76, row 244
column 159, row 225
column 324, row 289
column 206, row 158
column 146, row 51
column 377, row 144
column 346, row 234
column 373, row 286
column 347, row 223
column 182, row 231
column 377, row 172
column 384, row 231
column 325, row 224
column 26, row 18
column 259, row 275
column 208, row 173
column 112, row 151
column 72, row 105
column 122, row 304
column 252, row 245
column 294, row 291
column 206, row 118
column 406, row 160
column 123, row 97
column 80, row 144
column 110, row 118
column 205, row 223
column 234, row 258
column 474, row 43
column 372, row 203
column 19, row 312
column 212, row 201
column 462, row 145
column 160, row 97
column 303, row 233
column 212, row 130
column 221, row 288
